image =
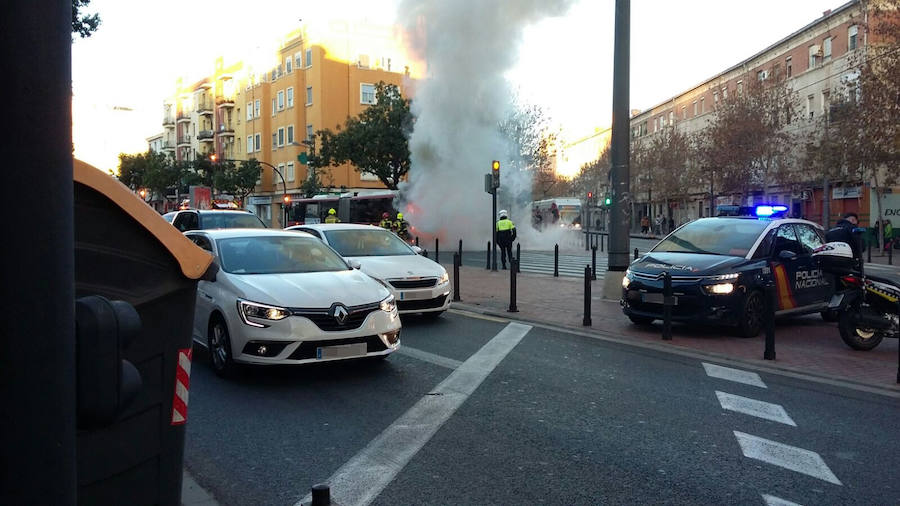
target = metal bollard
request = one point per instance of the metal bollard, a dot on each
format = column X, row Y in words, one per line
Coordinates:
column 513, row 267
column 457, row 260
column 587, row 296
column 321, row 495
column 460, row 250
column 869, row 254
column 437, row 253
column 425, row 253
column 602, row 240
column 556, row 260
column 587, row 240
column 489, row 256
column 769, row 353
column 667, row 306
column 890, row 247
column 635, row 253
column 417, row 240
column 518, row 257
column 594, row 263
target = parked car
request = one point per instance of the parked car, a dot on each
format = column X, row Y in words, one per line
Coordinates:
column 287, row 298
column 419, row 284
column 206, row 219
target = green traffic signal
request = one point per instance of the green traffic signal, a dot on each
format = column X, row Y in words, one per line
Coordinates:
column 608, row 201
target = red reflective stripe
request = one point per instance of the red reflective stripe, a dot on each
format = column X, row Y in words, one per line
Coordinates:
column 182, row 385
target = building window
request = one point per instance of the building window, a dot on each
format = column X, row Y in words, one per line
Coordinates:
column 280, row 171
column 290, row 134
column 762, row 75
column 826, row 49
column 298, row 60
column 810, row 112
column 280, row 100
column 249, row 144
column 826, row 95
column 274, row 110
column 684, row 112
column 715, row 99
column 695, row 107
column 289, row 175
column 309, row 95
column 656, row 124
column 249, row 111
column 280, row 136
column 724, row 93
column 257, row 142
column 702, row 105
column 813, row 55
column 308, row 58
column 366, row 93
column 288, row 65
column 662, row 120
column 672, row 118
column 788, row 66
column 256, row 108
column 740, row 88
column 852, row 34
column 274, row 140
column 309, row 132
column 290, row 97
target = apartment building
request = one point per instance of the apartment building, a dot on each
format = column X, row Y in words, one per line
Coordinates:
column 816, row 61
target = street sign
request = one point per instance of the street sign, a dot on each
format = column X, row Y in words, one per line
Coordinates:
column 488, row 183
column 302, row 158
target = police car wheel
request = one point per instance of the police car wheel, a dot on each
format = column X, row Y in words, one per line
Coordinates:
column 640, row 320
column 219, row 343
column 751, row 316
column 856, row 337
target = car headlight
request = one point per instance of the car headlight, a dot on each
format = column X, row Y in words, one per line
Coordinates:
column 388, row 305
column 725, row 277
column 259, row 311
column 444, row 278
column 720, row 288
column 626, row 280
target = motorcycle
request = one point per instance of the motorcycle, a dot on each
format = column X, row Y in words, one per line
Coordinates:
column 866, row 306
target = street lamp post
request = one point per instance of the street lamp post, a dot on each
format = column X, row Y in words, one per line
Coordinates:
column 284, row 199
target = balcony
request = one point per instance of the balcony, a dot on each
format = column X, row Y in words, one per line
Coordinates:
column 205, row 135
column 168, row 121
column 205, row 109
column 184, row 140
column 225, row 129
column 168, row 145
column 183, row 116
column 225, row 101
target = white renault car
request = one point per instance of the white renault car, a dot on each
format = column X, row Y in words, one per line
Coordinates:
column 286, row 298
column 419, row 284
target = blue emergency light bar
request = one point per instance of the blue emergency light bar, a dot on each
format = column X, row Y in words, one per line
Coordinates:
column 766, row 211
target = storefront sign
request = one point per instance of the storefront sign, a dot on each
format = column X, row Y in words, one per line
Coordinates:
column 846, row 192
column 890, row 206
column 259, row 201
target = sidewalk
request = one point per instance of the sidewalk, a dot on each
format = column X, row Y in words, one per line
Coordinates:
column 804, row 345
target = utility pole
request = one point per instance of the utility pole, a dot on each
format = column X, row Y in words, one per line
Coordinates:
column 620, row 219
column 37, row 353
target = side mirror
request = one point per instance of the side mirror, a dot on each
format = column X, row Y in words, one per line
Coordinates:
column 354, row 263
column 417, row 250
column 786, row 255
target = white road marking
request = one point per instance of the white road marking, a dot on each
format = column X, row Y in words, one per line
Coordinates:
column 424, row 356
column 737, row 375
column 359, row 481
column 753, row 407
column 788, row 457
column 771, row 500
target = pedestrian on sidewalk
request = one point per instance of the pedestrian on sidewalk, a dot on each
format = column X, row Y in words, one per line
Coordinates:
column 645, row 224
column 506, row 234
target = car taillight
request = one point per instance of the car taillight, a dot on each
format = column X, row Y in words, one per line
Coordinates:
column 851, row 280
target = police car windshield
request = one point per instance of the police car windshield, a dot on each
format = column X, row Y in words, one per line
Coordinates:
column 714, row 236
column 367, row 243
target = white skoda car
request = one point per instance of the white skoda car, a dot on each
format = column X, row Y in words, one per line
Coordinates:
column 419, row 284
column 286, row 298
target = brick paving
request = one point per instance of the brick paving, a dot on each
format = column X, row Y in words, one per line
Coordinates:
column 805, row 345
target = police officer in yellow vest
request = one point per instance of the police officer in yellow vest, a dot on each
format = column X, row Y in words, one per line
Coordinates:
column 332, row 216
column 506, row 234
column 401, row 227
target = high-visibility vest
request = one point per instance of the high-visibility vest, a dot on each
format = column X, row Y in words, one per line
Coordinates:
column 504, row 225
column 332, row 219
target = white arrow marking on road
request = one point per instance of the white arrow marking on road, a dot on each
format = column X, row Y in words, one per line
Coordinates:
column 756, row 408
column 737, row 375
column 788, row 457
column 771, row 500
column 431, row 358
column 359, row 481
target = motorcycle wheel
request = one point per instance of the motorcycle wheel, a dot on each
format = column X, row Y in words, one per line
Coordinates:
column 856, row 337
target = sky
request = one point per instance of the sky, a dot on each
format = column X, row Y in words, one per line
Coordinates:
column 124, row 71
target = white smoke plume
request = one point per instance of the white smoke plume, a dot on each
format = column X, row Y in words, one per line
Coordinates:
column 467, row 46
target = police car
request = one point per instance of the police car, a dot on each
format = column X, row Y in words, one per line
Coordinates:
column 720, row 266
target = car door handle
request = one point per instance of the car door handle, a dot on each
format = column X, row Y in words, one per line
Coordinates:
column 205, row 295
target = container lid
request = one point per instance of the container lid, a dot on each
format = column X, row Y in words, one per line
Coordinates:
column 193, row 260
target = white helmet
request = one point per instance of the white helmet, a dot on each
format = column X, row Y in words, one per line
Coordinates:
column 502, row 214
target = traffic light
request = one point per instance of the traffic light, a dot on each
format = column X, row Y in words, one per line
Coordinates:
column 495, row 174
column 607, row 201
column 143, row 193
column 590, row 196
column 105, row 382
column 286, row 199
column 213, row 157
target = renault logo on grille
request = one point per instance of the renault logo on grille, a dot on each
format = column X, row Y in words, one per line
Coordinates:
column 340, row 313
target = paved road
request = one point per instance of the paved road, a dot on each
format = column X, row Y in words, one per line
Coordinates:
column 484, row 412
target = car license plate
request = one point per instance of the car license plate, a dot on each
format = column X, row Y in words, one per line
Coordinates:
column 415, row 295
column 341, row 351
column 836, row 301
column 656, row 298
